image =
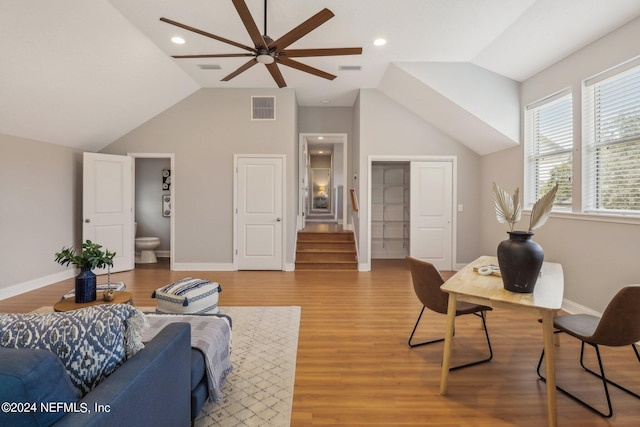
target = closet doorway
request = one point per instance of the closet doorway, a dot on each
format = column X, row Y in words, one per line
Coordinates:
column 411, row 209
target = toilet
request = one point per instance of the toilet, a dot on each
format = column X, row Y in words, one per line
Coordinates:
column 146, row 246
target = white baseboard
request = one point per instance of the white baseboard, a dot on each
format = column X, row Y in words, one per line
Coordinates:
column 289, row 266
column 34, row 284
column 575, row 308
column 364, row 266
column 202, row 266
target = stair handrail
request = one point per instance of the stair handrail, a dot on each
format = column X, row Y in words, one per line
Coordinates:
column 354, row 200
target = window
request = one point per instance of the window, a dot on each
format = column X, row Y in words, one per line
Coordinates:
column 548, row 150
column 611, row 159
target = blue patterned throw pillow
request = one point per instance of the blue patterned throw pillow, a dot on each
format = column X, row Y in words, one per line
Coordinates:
column 91, row 342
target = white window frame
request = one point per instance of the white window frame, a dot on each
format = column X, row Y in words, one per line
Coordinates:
column 625, row 78
column 535, row 155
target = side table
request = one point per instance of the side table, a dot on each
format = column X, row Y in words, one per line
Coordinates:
column 119, row 297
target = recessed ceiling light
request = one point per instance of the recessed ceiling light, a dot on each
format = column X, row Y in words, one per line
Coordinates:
column 321, row 137
column 379, row 42
column 326, row 101
column 177, row 40
column 320, row 152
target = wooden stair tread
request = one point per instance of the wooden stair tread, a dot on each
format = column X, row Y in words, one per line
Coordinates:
column 334, row 250
column 327, row 250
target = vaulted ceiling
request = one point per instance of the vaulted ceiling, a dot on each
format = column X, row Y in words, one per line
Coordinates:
column 83, row 73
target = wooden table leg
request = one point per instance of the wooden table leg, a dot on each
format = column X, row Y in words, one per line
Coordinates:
column 448, row 342
column 550, row 366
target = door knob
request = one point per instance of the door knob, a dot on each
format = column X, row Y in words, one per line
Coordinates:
column 87, row 220
column 278, row 219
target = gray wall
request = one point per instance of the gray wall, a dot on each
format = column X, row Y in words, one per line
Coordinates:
column 387, row 128
column 39, row 210
column 598, row 257
column 204, row 131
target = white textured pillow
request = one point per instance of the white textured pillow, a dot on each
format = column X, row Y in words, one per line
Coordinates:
column 188, row 296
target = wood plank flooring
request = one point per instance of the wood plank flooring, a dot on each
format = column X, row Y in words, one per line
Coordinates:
column 354, row 367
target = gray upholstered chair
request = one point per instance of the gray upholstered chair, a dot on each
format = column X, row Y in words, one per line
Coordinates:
column 619, row 326
column 426, row 283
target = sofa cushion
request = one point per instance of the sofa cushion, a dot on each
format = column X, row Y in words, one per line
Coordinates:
column 33, row 377
column 91, row 342
column 188, row 296
column 198, row 367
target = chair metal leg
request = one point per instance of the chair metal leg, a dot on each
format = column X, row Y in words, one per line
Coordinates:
column 636, row 395
column 601, row 376
column 414, row 331
column 486, row 332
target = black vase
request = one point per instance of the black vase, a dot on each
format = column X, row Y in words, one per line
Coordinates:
column 520, row 260
column 85, row 286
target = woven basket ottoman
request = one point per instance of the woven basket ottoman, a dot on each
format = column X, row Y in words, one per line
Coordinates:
column 188, row 296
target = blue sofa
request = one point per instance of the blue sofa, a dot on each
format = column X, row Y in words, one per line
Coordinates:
column 152, row 388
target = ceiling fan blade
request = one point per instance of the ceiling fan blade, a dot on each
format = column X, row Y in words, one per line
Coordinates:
column 306, row 68
column 301, row 30
column 250, row 24
column 299, row 53
column 276, row 74
column 204, row 33
column 243, row 68
column 221, row 55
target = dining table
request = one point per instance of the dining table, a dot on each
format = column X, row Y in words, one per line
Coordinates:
column 469, row 285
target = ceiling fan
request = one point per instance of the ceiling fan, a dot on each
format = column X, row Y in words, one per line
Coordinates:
column 272, row 52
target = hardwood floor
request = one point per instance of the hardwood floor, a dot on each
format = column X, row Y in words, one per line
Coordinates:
column 354, row 367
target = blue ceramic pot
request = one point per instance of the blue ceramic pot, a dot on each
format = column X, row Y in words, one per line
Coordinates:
column 85, row 286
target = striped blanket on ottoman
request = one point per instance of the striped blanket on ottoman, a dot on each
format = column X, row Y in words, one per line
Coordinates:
column 209, row 334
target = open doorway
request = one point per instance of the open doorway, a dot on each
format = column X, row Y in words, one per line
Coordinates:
column 154, row 203
column 322, row 179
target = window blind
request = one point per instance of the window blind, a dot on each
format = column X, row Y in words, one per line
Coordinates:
column 549, row 148
column 611, row 159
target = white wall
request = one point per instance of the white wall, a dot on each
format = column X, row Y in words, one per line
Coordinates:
column 40, row 211
column 204, row 131
column 598, row 257
column 387, row 128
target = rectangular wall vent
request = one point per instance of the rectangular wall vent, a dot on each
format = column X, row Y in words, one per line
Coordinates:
column 263, row 108
column 350, row 68
column 209, row 66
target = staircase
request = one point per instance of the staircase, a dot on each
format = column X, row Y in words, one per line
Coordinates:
column 321, row 250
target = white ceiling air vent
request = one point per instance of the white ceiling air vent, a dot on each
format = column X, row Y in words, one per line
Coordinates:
column 263, row 108
column 349, row 68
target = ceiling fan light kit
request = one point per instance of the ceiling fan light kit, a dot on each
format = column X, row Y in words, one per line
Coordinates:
column 272, row 52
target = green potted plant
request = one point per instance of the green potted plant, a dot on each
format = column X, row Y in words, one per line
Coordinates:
column 520, row 258
column 91, row 257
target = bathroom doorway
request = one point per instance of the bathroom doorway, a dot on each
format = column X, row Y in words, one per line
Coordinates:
column 154, row 202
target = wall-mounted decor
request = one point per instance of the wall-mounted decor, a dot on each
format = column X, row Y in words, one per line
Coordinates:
column 166, row 205
column 166, row 179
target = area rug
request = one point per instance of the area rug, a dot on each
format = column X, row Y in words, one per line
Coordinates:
column 259, row 390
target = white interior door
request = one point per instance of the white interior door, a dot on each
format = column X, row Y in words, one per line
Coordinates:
column 432, row 213
column 259, row 209
column 107, row 206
